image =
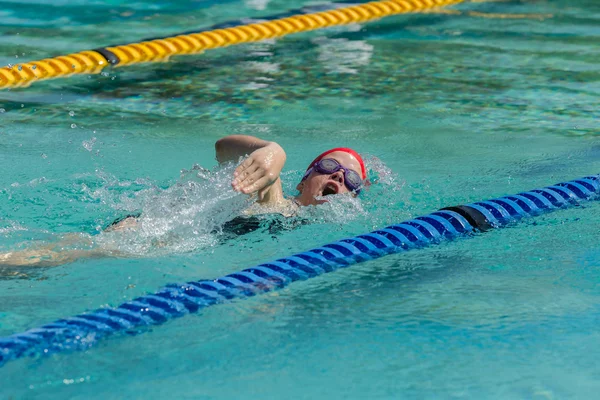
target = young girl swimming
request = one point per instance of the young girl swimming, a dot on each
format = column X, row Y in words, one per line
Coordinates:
column 336, row 171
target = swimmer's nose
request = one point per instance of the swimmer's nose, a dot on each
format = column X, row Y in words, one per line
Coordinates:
column 338, row 176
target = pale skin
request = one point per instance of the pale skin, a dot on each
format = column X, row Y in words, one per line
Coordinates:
column 258, row 174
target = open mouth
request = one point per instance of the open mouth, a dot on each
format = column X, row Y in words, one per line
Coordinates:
column 330, row 188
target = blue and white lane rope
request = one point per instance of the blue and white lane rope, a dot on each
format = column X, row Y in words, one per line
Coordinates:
column 177, row 300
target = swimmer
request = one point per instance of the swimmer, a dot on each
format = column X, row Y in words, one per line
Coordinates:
column 336, row 171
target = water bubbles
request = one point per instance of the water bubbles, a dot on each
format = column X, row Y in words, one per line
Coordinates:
column 106, row 74
column 89, row 144
column 73, row 126
column 9, row 66
column 43, row 155
column 20, row 67
column 2, row 110
column 33, row 66
column 72, row 113
column 337, row 209
column 16, row 56
column 381, row 173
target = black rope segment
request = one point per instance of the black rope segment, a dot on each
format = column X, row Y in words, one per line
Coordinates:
column 473, row 216
column 111, row 57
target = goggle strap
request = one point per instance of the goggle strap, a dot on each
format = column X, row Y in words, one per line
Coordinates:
column 307, row 173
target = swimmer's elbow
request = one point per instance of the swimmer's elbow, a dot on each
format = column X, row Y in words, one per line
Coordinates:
column 221, row 147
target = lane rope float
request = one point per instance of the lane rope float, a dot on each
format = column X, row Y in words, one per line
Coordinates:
column 160, row 50
column 177, row 300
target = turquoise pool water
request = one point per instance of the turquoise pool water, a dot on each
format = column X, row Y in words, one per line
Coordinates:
column 450, row 108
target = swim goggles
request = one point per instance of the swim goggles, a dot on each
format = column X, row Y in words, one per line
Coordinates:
column 329, row 166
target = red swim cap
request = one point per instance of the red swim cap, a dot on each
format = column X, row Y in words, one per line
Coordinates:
column 348, row 150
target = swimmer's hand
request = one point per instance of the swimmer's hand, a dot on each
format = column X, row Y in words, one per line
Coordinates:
column 259, row 171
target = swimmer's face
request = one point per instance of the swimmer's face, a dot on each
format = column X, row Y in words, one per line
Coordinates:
column 317, row 184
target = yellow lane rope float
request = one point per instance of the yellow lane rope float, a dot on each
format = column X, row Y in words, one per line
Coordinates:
column 157, row 50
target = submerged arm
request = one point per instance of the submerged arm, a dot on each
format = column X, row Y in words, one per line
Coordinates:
column 259, row 173
column 50, row 258
column 71, row 247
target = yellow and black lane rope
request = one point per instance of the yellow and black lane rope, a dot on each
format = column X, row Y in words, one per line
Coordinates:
column 157, row 50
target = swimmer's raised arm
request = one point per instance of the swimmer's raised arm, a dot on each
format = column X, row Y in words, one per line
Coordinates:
column 232, row 147
column 259, row 173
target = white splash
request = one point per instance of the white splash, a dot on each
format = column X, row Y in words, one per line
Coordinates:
column 183, row 217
